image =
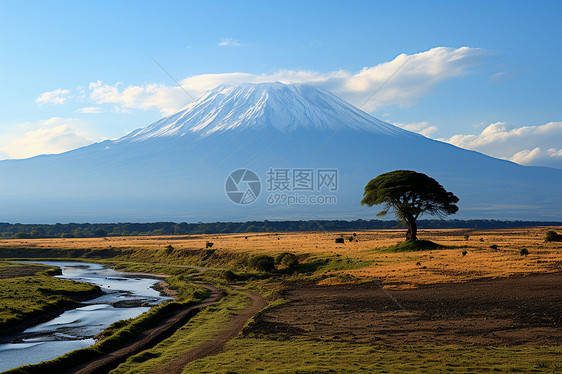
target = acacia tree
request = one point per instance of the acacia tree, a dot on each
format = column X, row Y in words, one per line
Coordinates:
column 409, row 194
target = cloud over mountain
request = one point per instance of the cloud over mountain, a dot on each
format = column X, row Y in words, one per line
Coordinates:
column 55, row 135
column 400, row 81
column 527, row 145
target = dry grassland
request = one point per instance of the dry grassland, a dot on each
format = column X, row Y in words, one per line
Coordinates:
column 398, row 270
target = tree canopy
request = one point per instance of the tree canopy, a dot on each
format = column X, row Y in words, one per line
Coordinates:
column 410, row 194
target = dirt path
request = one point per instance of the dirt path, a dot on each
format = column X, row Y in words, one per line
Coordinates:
column 214, row 346
column 149, row 338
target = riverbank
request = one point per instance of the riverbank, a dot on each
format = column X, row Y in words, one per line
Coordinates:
column 29, row 295
column 169, row 322
column 127, row 328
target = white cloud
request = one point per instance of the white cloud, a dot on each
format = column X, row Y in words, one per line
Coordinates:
column 508, row 74
column 55, row 135
column 422, row 128
column 409, row 77
column 539, row 157
column 526, row 156
column 228, row 42
column 553, row 152
column 89, row 110
column 527, row 145
column 398, row 82
column 164, row 98
column 58, row 96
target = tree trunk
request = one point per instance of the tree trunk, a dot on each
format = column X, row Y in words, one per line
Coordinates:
column 412, row 233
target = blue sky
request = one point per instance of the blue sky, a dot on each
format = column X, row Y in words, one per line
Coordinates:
column 484, row 75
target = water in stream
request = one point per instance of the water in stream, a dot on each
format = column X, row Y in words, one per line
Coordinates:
column 126, row 296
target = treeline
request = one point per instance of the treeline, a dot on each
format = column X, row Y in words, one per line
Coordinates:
column 89, row 230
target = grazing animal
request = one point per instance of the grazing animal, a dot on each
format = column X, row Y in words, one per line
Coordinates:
column 340, row 241
column 209, row 245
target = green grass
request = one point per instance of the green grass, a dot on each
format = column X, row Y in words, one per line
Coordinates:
column 321, row 264
column 152, row 268
column 413, row 245
column 202, row 327
column 31, row 296
column 259, row 355
column 152, row 259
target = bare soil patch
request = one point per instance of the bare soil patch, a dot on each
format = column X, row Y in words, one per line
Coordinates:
column 20, row 271
column 509, row 311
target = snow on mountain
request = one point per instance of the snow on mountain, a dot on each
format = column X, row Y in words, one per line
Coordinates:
column 257, row 106
column 176, row 168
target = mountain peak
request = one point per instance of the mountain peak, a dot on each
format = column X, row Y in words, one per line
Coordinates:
column 285, row 107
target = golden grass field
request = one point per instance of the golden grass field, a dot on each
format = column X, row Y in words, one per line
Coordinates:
column 399, row 270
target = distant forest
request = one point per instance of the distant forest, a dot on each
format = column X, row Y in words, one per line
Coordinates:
column 89, row 230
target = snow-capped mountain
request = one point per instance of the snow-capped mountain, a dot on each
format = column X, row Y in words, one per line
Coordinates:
column 251, row 106
column 297, row 141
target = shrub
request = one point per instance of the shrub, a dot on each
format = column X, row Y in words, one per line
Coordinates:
column 290, row 261
column 209, row 245
column 279, row 257
column 350, row 238
column 494, row 246
column 524, row 252
column 287, row 259
column 466, row 237
column 464, row 252
column 552, row 236
column 262, row 263
column 414, row 245
column 169, row 249
column 229, row 275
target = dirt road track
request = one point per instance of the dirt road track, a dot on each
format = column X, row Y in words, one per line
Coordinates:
column 215, row 345
column 149, row 338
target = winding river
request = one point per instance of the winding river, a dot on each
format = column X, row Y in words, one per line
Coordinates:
column 125, row 296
